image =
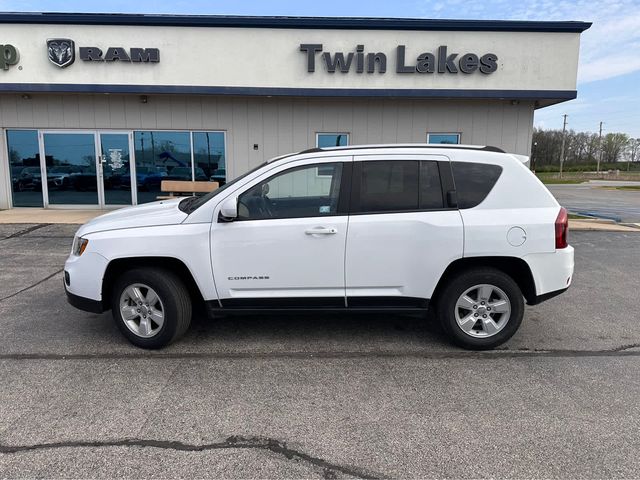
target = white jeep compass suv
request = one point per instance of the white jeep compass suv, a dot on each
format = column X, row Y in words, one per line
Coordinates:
column 466, row 230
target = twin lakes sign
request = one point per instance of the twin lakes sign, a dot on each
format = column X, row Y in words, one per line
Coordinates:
column 62, row 53
column 442, row 61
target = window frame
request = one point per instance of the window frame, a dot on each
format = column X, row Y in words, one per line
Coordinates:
column 446, row 185
column 457, row 134
column 342, row 208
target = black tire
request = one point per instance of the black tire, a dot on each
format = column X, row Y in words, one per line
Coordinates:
column 457, row 285
column 175, row 301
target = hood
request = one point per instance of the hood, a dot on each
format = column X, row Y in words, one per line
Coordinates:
column 164, row 212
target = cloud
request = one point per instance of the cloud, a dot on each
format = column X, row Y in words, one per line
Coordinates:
column 608, row 49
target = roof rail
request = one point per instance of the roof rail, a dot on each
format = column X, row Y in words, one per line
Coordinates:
column 487, row 148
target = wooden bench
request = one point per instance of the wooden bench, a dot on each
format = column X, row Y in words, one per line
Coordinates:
column 176, row 187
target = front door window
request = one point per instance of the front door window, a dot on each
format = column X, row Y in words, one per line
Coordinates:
column 309, row 191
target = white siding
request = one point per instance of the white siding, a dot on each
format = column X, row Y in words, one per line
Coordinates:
column 277, row 125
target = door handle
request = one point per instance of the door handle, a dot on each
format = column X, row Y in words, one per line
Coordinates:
column 322, row 231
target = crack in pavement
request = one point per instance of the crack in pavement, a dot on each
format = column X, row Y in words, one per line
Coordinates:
column 32, row 286
column 329, row 469
column 623, row 351
column 24, row 231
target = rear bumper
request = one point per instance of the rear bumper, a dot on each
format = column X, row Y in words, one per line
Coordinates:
column 552, row 272
column 543, row 298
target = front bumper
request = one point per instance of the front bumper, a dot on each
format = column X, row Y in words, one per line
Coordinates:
column 83, row 281
column 83, row 303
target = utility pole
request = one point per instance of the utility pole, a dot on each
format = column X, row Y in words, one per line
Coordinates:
column 564, row 129
column 635, row 144
column 600, row 148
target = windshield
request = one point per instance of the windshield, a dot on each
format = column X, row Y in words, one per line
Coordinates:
column 191, row 204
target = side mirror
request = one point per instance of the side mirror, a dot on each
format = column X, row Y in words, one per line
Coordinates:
column 229, row 210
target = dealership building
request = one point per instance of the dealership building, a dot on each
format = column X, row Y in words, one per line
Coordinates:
column 97, row 109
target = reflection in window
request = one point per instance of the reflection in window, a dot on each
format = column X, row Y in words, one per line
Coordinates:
column 24, row 166
column 71, row 168
column 157, row 155
column 209, row 156
column 325, row 140
column 165, row 155
column 448, row 138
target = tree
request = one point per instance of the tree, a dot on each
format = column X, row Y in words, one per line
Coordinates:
column 613, row 145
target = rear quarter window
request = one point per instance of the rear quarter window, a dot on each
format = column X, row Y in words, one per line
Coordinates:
column 474, row 181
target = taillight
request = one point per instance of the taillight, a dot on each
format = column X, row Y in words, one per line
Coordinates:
column 562, row 228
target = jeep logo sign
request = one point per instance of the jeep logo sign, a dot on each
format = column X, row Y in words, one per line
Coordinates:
column 8, row 56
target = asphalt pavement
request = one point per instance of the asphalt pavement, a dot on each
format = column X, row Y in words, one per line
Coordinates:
column 309, row 396
column 600, row 199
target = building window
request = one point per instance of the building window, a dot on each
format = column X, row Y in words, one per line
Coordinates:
column 447, row 138
column 209, row 156
column 325, row 140
column 173, row 155
column 24, row 167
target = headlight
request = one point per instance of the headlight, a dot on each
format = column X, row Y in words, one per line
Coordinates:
column 79, row 246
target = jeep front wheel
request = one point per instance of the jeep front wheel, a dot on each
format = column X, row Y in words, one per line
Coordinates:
column 151, row 307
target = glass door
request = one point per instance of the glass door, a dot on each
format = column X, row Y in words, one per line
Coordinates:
column 70, row 168
column 115, row 168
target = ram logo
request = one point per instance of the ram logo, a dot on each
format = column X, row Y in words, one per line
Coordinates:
column 61, row 51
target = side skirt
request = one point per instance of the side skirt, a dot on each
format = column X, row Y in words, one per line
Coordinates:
column 313, row 305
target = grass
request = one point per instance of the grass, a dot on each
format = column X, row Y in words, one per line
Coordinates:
column 555, row 181
column 575, row 216
column 579, row 177
column 628, row 187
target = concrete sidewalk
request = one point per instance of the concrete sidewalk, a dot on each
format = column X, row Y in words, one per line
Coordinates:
column 48, row 215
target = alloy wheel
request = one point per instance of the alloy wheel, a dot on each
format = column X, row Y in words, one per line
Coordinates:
column 482, row 311
column 142, row 310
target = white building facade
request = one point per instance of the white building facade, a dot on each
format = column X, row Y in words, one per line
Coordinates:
column 97, row 109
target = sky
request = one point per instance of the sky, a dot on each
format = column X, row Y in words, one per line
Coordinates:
column 608, row 74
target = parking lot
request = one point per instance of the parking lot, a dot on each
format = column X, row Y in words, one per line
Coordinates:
column 603, row 199
column 308, row 396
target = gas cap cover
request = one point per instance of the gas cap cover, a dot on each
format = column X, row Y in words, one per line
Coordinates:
column 516, row 236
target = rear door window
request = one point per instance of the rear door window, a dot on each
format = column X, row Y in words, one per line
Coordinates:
column 396, row 186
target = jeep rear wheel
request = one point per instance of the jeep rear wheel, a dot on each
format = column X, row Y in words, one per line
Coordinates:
column 481, row 308
column 151, row 307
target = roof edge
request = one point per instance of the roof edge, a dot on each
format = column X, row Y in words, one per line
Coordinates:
column 437, row 93
column 338, row 23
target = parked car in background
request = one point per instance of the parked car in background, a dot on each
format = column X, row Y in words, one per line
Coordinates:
column 147, row 178
column 466, row 231
column 184, row 173
column 61, row 177
column 30, row 178
column 219, row 175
